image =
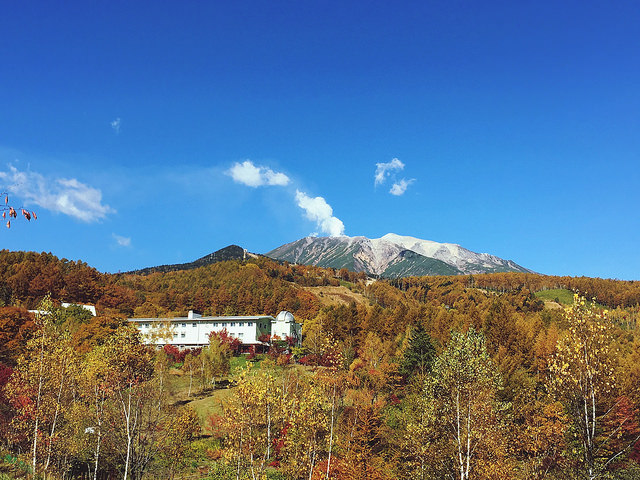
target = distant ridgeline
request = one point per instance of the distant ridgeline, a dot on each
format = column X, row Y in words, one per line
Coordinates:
column 256, row 286
column 392, row 256
column 232, row 252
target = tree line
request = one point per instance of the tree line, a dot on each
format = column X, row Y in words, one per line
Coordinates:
column 468, row 377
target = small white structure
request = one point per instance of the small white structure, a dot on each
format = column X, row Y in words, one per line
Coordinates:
column 90, row 308
column 194, row 329
column 284, row 325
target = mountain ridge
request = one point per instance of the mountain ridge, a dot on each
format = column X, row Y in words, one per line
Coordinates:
column 392, row 255
column 231, row 252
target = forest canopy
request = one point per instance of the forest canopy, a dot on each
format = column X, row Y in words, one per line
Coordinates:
column 468, row 377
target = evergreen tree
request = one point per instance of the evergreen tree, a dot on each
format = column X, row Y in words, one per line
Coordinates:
column 419, row 356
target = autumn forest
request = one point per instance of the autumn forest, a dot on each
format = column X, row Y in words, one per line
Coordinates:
column 492, row 376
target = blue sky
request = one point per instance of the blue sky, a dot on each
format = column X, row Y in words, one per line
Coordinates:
column 152, row 133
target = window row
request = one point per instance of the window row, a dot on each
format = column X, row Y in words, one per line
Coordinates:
column 214, row 324
column 183, row 335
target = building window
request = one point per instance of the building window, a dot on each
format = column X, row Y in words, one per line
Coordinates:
column 240, row 335
column 184, row 325
column 249, row 324
column 233, row 324
column 241, row 324
column 215, row 324
column 175, row 335
column 194, row 325
column 182, row 335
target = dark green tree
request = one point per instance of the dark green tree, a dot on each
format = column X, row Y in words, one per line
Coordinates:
column 419, row 356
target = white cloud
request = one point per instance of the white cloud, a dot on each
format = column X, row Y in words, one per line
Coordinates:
column 122, row 241
column 400, row 186
column 256, row 176
column 63, row 195
column 318, row 210
column 383, row 170
column 116, row 125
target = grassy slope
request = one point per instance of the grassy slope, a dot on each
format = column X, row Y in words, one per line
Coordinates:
column 210, row 402
column 335, row 295
column 564, row 296
column 207, row 404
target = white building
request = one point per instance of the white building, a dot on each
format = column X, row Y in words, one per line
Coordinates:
column 194, row 330
column 90, row 308
column 284, row 325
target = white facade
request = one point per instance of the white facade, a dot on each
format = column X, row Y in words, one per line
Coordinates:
column 284, row 325
column 194, row 329
column 90, row 308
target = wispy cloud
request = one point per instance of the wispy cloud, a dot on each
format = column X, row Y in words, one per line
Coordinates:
column 115, row 124
column 62, row 195
column 383, row 170
column 121, row 241
column 318, row 210
column 400, row 186
column 389, row 170
column 256, row 176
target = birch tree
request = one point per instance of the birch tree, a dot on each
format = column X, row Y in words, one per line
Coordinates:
column 129, row 366
column 583, row 374
column 417, row 439
column 462, row 390
column 40, row 388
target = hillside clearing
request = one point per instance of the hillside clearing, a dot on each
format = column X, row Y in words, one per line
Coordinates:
column 328, row 295
column 560, row 296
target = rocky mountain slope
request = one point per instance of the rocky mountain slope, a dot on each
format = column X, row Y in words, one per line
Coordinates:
column 392, row 256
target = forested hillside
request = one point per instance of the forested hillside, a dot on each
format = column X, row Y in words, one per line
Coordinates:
column 468, row 377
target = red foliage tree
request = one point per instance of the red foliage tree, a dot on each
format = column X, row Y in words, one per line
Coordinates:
column 174, row 353
column 622, row 422
column 16, row 327
column 5, row 408
column 224, row 337
column 178, row 355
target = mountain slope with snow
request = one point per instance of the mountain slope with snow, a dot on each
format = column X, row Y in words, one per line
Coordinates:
column 392, row 256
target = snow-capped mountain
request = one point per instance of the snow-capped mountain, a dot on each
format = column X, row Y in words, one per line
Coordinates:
column 392, row 256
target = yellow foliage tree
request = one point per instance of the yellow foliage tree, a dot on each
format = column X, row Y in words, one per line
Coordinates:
column 583, row 374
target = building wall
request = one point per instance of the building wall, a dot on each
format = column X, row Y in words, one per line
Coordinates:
column 190, row 332
column 194, row 329
column 286, row 329
column 284, row 325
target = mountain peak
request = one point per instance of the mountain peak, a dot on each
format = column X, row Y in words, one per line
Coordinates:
column 388, row 256
column 232, row 252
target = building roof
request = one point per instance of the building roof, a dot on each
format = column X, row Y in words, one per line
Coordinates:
column 285, row 316
column 194, row 319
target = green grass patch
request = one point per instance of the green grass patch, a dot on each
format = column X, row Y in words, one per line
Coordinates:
column 209, row 402
column 238, row 362
column 210, row 405
column 558, row 295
